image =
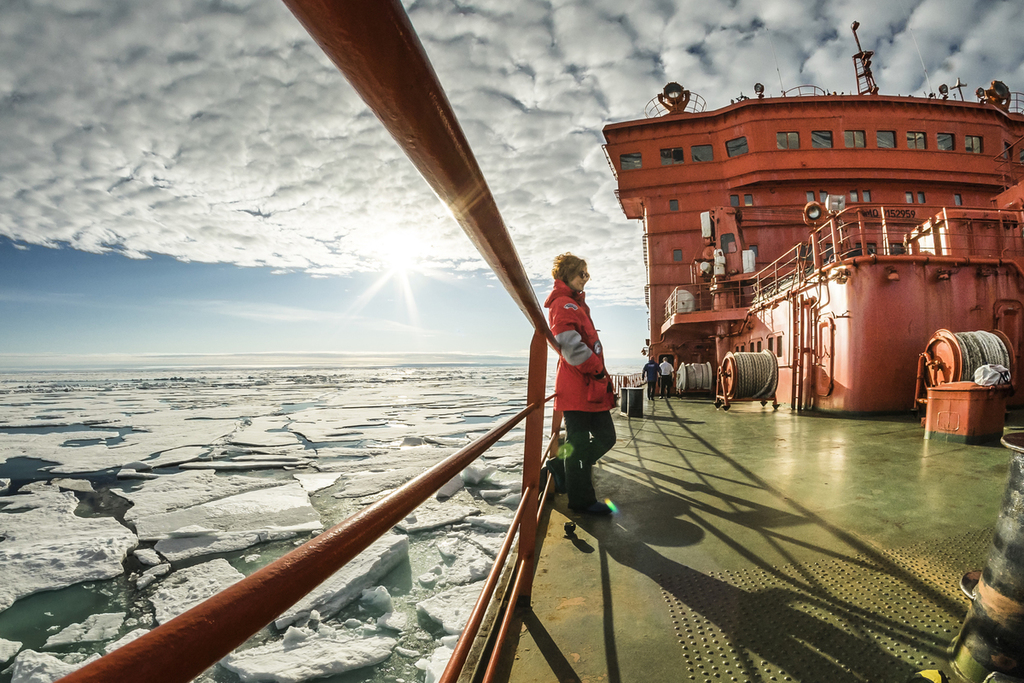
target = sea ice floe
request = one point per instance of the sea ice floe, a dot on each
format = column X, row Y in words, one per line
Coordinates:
column 491, row 522
column 176, row 491
column 376, row 599
column 435, row 666
column 304, row 654
column 453, row 486
column 429, row 516
column 151, row 433
column 125, row 639
column 451, row 609
column 177, row 456
column 152, row 574
column 46, row 546
column 395, row 621
column 265, row 431
column 130, row 474
column 4, row 485
column 347, row 584
column 186, row 588
column 231, row 523
column 8, row 648
column 463, row 561
column 81, row 485
column 97, row 627
column 39, row 667
column 147, row 556
column 316, row 481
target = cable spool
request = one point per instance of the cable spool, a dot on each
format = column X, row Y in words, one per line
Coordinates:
column 695, row 377
column 750, row 375
column 954, row 356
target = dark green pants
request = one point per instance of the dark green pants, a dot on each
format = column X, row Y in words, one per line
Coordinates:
column 590, row 436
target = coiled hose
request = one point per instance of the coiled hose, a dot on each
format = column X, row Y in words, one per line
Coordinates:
column 757, row 374
column 980, row 348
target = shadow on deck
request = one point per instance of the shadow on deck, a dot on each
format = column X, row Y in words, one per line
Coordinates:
column 760, row 546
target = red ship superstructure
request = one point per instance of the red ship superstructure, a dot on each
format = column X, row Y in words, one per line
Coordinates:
column 838, row 232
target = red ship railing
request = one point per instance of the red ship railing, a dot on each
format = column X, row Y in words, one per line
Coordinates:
column 879, row 232
column 375, row 46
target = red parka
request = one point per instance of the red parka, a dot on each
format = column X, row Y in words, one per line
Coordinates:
column 581, row 357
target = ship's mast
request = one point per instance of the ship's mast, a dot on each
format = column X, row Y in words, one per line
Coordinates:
column 862, row 67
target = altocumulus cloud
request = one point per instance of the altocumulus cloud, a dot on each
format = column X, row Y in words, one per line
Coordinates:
column 216, row 131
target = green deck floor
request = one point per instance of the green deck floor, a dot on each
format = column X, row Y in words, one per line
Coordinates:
column 753, row 545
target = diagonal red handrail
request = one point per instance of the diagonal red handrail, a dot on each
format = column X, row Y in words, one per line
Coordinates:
column 375, row 46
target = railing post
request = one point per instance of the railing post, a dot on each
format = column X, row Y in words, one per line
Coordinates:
column 532, row 456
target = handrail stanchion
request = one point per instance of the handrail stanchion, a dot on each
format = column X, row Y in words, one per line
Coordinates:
column 532, row 456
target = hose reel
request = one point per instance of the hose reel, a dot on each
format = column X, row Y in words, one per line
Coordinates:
column 954, row 356
column 748, row 377
column 695, row 377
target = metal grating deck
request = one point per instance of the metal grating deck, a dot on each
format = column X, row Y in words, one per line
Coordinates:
column 876, row 617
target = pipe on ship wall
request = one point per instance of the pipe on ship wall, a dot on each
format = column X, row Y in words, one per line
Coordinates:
column 992, row 636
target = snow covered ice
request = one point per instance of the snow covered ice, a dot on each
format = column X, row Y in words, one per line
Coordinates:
column 147, row 494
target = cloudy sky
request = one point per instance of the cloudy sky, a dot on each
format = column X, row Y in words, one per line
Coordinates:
column 194, row 176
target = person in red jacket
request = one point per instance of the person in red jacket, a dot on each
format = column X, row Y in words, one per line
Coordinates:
column 583, row 391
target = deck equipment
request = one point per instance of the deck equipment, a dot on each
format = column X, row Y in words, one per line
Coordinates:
column 745, row 376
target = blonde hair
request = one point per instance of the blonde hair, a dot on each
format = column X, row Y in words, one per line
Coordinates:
column 567, row 267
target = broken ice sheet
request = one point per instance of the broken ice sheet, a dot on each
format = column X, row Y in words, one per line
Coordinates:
column 97, row 627
column 8, row 648
column 345, row 585
column 231, row 523
column 46, row 546
column 304, row 654
column 432, row 515
column 39, row 667
column 451, row 609
column 265, row 431
column 316, row 481
column 186, row 588
column 175, row 491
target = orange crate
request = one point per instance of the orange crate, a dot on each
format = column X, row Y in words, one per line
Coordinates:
column 965, row 412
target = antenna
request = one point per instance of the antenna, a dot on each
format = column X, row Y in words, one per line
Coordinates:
column 960, row 85
column 770, row 42
column 916, row 47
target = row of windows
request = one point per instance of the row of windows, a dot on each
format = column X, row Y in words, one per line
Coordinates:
column 774, row 346
column 820, row 139
column 854, row 196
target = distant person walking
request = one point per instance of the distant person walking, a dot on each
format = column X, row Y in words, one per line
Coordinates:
column 650, row 373
column 666, row 377
column 583, row 391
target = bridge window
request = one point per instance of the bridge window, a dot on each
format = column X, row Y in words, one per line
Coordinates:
column 748, row 200
column 910, row 197
column 958, row 200
column 821, row 138
column 788, row 140
column 886, row 139
column 947, row 142
column 702, row 153
column 673, row 205
column 629, row 162
column 916, row 140
column 810, row 195
column 677, row 255
column 778, row 346
column 734, row 200
column 865, row 195
column 920, row 197
column 736, row 147
column 822, row 195
column 972, row 144
column 671, row 156
column 853, row 196
column 853, row 138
